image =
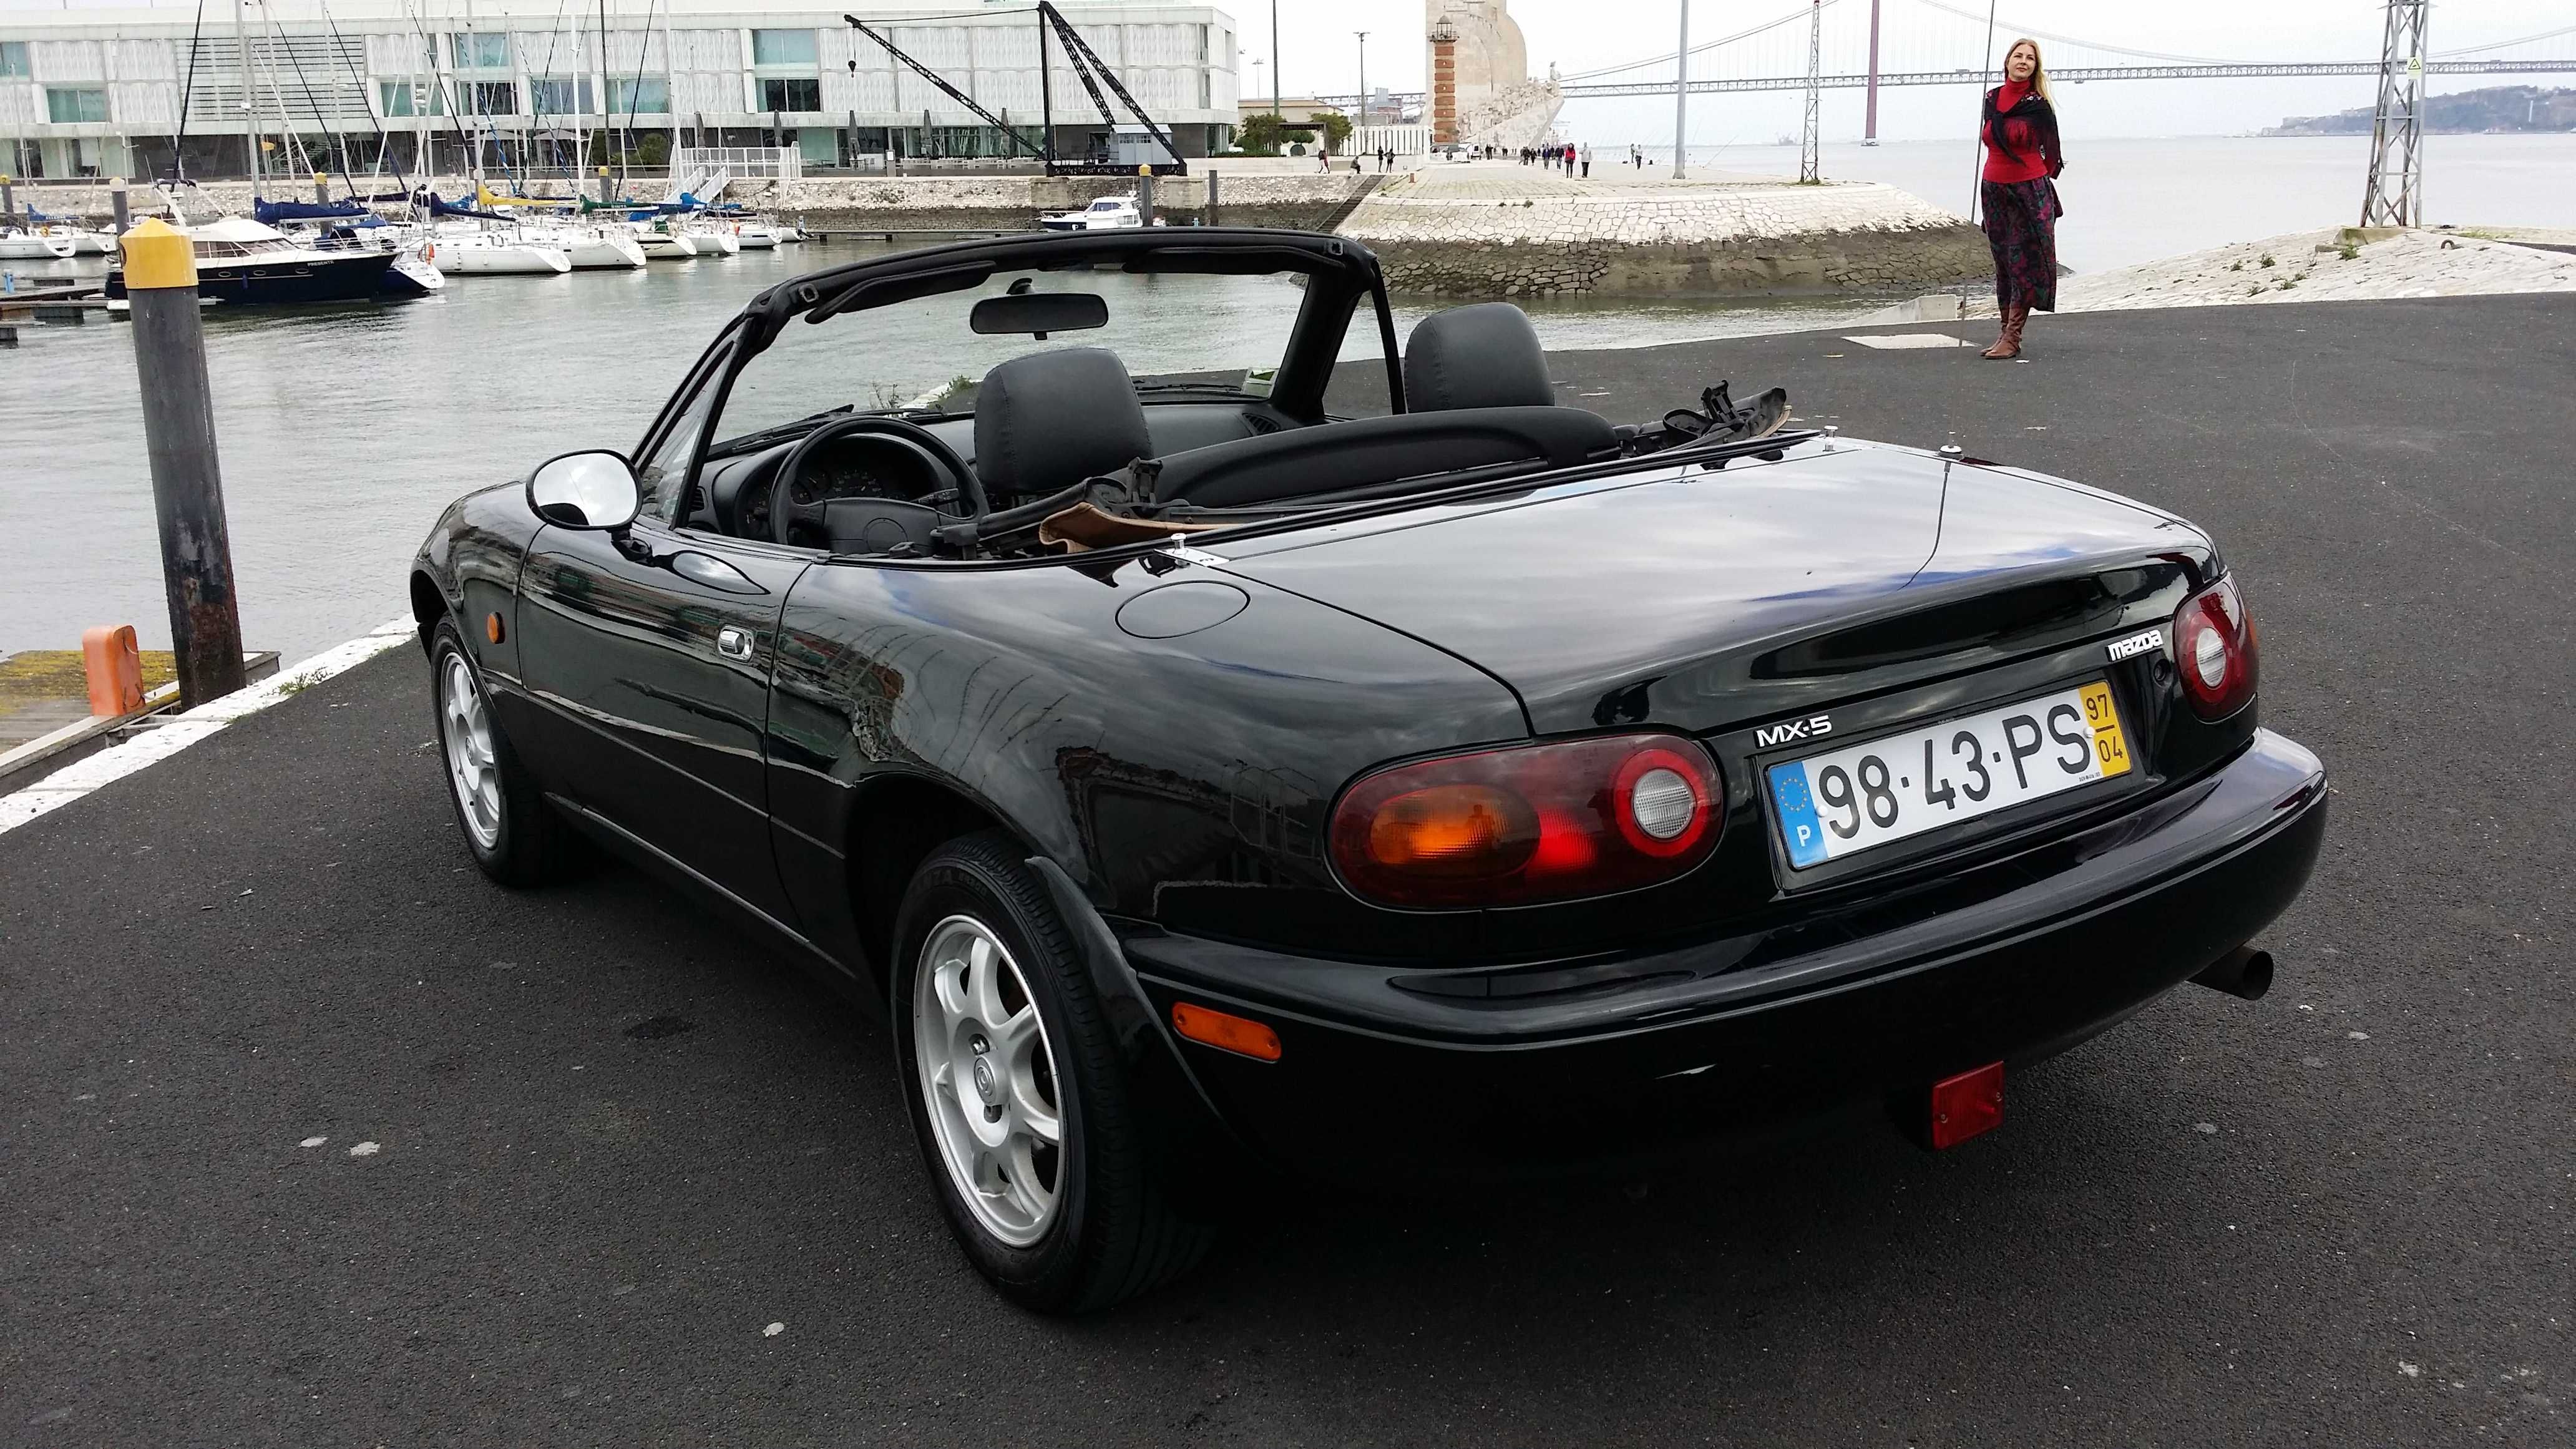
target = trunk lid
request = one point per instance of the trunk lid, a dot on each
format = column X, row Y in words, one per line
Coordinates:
column 1707, row 599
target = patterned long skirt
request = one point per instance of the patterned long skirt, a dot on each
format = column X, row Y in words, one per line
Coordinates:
column 2021, row 228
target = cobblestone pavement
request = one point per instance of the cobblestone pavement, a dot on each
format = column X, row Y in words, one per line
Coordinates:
column 2314, row 267
column 312, row 1136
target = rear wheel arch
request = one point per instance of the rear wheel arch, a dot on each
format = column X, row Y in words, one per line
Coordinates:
column 896, row 823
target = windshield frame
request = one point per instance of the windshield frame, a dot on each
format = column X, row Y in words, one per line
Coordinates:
column 1339, row 274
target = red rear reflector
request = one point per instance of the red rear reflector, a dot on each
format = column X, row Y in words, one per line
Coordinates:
column 1967, row 1104
column 1227, row 1033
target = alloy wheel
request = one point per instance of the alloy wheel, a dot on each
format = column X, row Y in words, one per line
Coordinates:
column 987, row 1076
column 473, row 771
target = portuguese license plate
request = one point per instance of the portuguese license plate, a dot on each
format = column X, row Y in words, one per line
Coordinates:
column 1867, row 795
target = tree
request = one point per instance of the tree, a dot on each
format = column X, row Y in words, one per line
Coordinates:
column 1336, row 127
column 1261, row 135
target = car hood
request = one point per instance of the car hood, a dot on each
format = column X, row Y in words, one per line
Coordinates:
column 1674, row 595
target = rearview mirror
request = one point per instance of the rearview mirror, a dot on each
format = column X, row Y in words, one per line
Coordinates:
column 585, row 490
column 1035, row 314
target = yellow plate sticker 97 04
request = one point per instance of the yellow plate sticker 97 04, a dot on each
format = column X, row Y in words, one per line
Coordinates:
column 2109, row 745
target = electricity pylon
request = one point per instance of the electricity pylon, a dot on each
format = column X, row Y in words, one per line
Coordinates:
column 1807, row 142
column 2396, row 194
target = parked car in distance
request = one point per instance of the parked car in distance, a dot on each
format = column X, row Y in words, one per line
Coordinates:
column 1200, row 778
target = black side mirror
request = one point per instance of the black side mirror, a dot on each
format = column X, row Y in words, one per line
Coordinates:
column 595, row 489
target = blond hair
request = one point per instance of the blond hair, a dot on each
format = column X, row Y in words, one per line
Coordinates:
column 2038, row 67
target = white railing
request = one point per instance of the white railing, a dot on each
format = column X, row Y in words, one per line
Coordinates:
column 781, row 163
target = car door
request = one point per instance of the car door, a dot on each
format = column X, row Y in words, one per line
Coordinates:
column 653, row 647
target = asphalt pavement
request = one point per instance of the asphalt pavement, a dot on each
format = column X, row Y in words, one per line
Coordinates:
column 310, row 1135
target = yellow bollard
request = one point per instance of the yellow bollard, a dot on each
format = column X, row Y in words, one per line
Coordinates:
column 187, row 484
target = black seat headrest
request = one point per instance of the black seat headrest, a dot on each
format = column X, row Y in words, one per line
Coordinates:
column 1484, row 356
column 1051, row 419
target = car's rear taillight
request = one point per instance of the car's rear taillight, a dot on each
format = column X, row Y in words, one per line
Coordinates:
column 2214, row 648
column 1529, row 823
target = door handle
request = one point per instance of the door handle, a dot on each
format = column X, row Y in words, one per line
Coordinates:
column 733, row 642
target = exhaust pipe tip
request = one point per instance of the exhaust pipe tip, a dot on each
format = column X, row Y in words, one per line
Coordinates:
column 2244, row 972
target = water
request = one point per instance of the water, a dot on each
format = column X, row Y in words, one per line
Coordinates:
column 2134, row 201
column 346, row 430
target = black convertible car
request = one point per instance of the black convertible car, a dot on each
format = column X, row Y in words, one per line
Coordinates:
column 1201, row 781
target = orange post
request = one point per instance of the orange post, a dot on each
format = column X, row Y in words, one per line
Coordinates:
column 115, row 669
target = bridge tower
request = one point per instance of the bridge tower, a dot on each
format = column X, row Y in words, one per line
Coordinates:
column 1810, row 137
column 1869, row 126
column 2396, row 193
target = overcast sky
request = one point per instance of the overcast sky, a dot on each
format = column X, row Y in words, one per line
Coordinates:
column 1315, row 37
column 1323, row 55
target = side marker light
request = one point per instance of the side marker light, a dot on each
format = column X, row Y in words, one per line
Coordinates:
column 1967, row 1104
column 1226, row 1032
column 492, row 627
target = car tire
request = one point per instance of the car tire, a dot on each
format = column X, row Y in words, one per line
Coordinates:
column 1073, row 1230
column 513, row 834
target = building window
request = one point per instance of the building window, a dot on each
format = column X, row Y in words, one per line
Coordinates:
column 629, row 96
column 782, row 47
column 397, row 98
column 64, row 105
column 791, row 94
column 481, row 52
column 496, row 98
column 556, row 95
column 13, row 60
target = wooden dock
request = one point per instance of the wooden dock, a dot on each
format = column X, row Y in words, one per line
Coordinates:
column 45, row 721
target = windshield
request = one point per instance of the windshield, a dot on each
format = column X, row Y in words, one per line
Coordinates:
column 1174, row 332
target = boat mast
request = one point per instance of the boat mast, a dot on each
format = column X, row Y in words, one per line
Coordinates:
column 670, row 90
column 250, row 109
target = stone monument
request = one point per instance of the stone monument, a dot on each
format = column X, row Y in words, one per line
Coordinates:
column 1479, row 69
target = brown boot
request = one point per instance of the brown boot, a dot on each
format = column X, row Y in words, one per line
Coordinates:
column 2008, row 343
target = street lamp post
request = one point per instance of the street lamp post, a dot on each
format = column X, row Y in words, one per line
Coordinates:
column 1275, row 71
column 1363, row 35
column 1681, row 97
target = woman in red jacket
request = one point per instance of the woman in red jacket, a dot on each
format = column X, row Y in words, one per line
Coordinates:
column 2020, row 193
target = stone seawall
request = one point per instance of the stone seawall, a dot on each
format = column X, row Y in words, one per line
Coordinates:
column 1483, row 230
column 1498, row 234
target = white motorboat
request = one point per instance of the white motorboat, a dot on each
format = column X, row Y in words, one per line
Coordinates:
column 86, row 243
column 1109, row 213
column 475, row 254
column 664, row 246
column 758, row 236
column 18, row 244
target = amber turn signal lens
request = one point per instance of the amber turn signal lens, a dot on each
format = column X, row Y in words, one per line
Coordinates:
column 1226, row 1032
column 1454, row 830
column 492, row 627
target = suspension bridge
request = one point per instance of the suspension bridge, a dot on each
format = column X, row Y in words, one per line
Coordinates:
column 1871, row 44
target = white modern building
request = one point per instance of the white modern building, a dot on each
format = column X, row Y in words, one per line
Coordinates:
column 122, row 90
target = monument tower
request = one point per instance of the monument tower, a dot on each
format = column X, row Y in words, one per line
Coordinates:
column 1479, row 69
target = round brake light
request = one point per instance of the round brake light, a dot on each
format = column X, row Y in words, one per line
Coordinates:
column 2214, row 639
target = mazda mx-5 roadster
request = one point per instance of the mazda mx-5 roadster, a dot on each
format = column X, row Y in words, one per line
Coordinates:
column 1221, row 740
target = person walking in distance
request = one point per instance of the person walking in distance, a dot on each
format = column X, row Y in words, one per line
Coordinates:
column 1587, row 163
column 2019, row 193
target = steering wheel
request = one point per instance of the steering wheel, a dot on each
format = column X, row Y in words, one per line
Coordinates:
column 785, row 513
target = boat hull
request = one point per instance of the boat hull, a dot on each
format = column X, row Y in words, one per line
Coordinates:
column 514, row 261
column 601, row 253
column 667, row 248
column 31, row 247
column 355, row 277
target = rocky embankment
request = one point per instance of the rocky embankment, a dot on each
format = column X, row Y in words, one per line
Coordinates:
column 2328, row 266
column 1515, row 231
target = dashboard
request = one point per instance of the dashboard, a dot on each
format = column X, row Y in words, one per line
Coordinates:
column 738, row 495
